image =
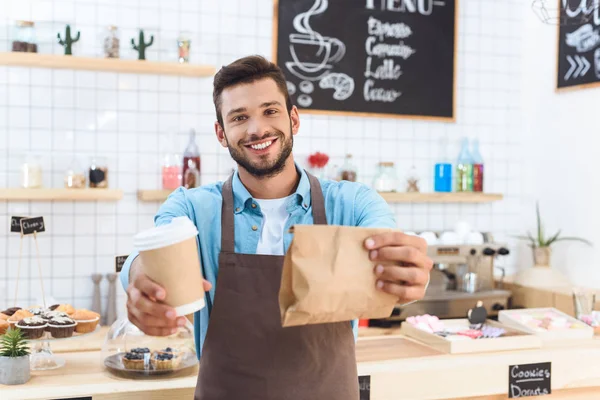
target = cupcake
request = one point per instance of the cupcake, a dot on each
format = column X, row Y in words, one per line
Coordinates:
column 86, row 320
column 37, row 311
column 32, row 327
column 18, row 316
column 61, row 327
column 136, row 359
column 3, row 317
column 53, row 307
column 11, row 311
column 3, row 326
column 67, row 308
column 164, row 359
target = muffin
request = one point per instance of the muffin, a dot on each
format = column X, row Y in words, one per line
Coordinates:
column 66, row 308
column 136, row 359
column 86, row 320
column 3, row 326
column 164, row 359
column 53, row 307
column 18, row 316
column 37, row 311
column 11, row 311
column 61, row 327
column 32, row 327
column 3, row 317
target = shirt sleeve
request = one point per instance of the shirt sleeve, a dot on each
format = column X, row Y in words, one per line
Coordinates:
column 371, row 210
column 176, row 205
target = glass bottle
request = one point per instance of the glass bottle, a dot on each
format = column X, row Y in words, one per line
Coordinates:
column 464, row 169
column 443, row 169
column 31, row 172
column 386, row 179
column 98, row 173
column 412, row 180
column 111, row 43
column 183, row 47
column 191, row 163
column 24, row 37
column 75, row 176
column 477, row 167
column 348, row 171
column 171, row 171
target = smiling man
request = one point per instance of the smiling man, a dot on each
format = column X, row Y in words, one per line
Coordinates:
column 243, row 226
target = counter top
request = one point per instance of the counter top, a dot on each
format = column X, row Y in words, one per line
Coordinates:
column 396, row 364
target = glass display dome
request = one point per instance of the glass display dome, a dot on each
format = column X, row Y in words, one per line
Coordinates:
column 128, row 351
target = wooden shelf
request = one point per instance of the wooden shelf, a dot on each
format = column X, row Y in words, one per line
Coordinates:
column 153, row 195
column 104, row 64
column 397, row 197
column 19, row 194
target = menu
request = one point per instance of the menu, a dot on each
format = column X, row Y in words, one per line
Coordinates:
column 381, row 57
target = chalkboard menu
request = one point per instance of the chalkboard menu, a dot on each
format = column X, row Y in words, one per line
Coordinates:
column 527, row 380
column 369, row 57
column 578, row 44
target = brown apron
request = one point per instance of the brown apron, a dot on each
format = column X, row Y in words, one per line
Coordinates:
column 247, row 355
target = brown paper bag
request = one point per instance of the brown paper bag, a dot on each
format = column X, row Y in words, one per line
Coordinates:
column 328, row 277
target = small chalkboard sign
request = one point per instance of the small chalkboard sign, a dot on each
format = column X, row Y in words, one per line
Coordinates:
column 527, row 380
column 15, row 224
column 119, row 261
column 32, row 225
column 364, row 385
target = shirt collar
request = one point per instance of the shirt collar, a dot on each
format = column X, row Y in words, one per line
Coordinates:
column 243, row 199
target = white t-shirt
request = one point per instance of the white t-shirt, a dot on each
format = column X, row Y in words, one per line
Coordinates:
column 275, row 216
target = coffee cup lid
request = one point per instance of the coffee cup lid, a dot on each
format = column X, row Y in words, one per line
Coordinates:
column 178, row 230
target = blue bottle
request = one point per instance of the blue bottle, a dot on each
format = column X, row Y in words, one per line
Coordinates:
column 443, row 170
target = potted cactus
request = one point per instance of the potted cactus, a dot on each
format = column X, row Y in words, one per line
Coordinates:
column 14, row 358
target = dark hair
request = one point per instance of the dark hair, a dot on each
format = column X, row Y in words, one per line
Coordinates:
column 247, row 70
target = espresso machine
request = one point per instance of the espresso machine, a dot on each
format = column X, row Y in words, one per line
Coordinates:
column 462, row 275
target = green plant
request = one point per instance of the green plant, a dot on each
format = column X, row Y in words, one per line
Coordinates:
column 142, row 45
column 68, row 42
column 13, row 344
column 546, row 241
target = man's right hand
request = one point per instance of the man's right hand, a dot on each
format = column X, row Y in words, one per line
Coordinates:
column 145, row 309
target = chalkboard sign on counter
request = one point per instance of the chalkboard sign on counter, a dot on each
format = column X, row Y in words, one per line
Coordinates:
column 527, row 380
column 369, row 57
column 578, row 44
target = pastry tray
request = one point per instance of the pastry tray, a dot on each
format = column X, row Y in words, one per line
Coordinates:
column 513, row 339
column 584, row 331
column 115, row 364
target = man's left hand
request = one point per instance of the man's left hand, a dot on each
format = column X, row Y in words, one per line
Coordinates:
column 402, row 266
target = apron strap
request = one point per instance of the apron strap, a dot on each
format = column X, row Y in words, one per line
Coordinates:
column 227, row 227
column 317, row 200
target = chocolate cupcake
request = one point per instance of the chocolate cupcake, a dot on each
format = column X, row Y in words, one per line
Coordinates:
column 32, row 327
column 53, row 307
column 61, row 327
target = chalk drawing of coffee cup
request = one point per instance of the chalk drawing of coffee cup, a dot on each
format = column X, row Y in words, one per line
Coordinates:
column 597, row 62
column 317, row 52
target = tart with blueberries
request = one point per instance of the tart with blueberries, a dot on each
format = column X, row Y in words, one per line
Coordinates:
column 165, row 359
column 136, row 358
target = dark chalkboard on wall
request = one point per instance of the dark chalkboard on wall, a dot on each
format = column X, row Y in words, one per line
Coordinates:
column 578, row 44
column 393, row 58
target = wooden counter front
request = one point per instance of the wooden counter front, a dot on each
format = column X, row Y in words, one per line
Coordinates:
column 399, row 368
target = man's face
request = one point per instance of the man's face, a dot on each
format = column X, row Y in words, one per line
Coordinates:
column 257, row 129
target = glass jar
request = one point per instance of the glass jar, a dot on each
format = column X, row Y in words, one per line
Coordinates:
column 183, row 47
column 31, row 172
column 111, row 43
column 24, row 37
column 348, row 170
column 75, row 176
column 386, row 179
column 98, row 173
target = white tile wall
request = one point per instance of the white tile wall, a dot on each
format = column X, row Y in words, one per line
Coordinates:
column 125, row 118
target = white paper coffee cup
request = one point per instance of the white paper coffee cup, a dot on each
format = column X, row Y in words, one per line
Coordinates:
column 169, row 255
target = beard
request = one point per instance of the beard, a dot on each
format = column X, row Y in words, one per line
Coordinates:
column 264, row 167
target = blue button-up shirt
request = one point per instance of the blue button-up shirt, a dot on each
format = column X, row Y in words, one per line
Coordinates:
column 346, row 203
